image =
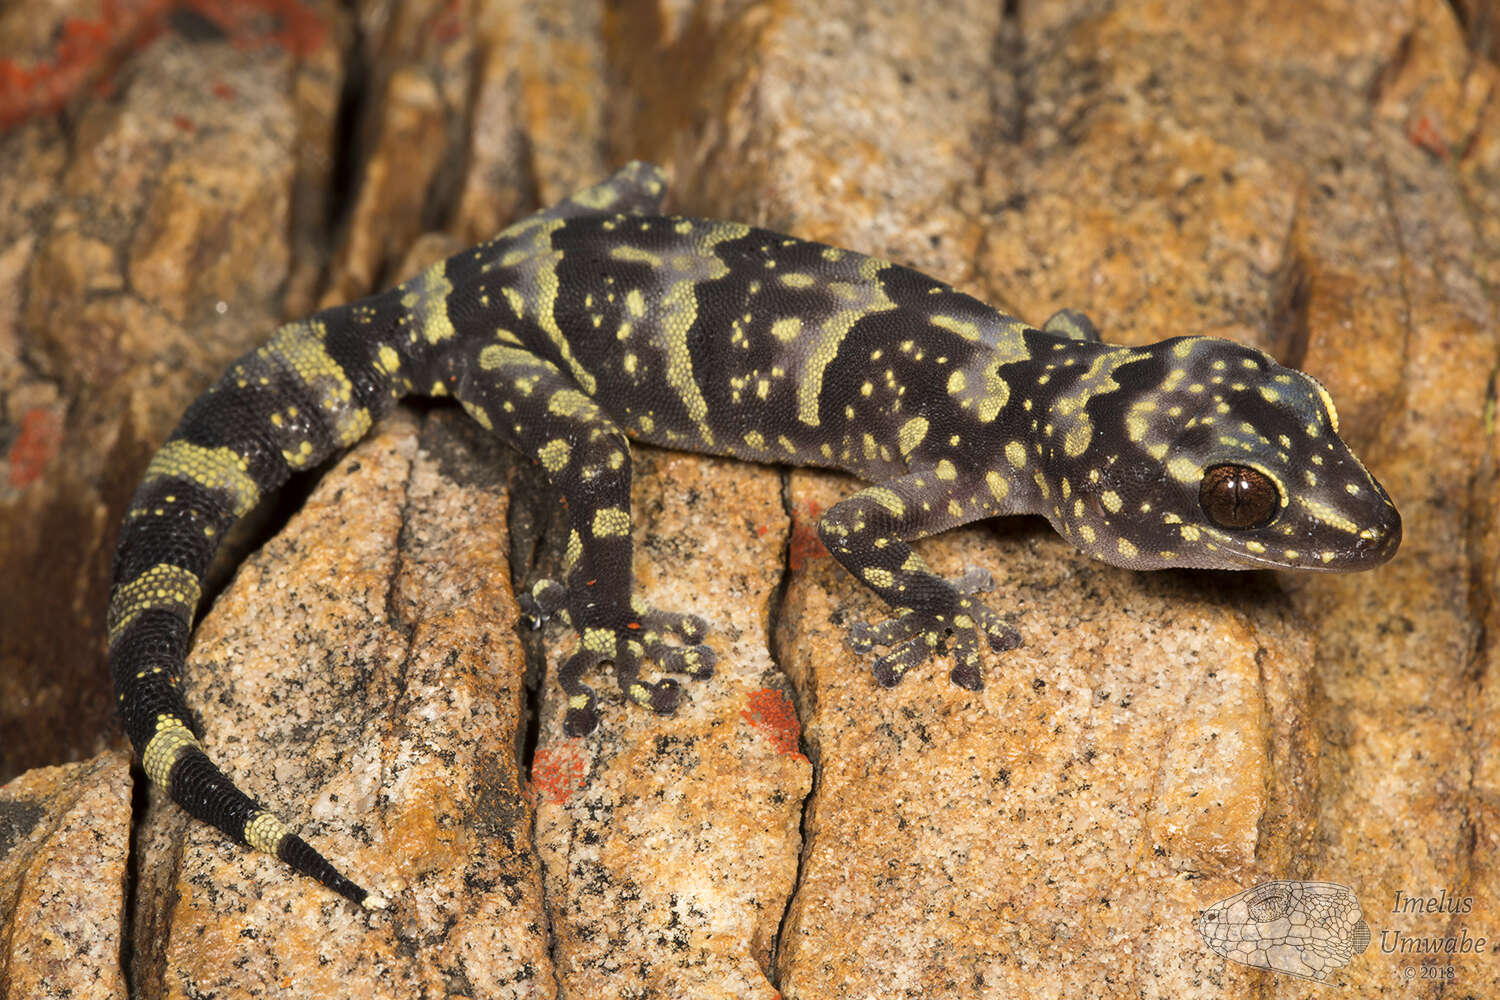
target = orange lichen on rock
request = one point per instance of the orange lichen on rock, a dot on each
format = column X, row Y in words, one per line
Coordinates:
column 558, row 772
column 773, row 713
column 88, row 51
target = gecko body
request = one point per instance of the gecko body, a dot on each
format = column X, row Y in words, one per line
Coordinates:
column 598, row 321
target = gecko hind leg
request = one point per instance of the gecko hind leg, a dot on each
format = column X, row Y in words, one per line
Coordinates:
column 643, row 637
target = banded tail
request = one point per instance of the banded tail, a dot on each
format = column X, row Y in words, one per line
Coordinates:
column 317, row 386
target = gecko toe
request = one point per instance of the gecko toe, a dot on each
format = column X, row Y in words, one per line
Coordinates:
column 694, row 661
column 663, row 697
column 890, row 668
column 1003, row 638
column 967, row 676
column 580, row 721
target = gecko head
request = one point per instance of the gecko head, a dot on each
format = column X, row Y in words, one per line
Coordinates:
column 1220, row 458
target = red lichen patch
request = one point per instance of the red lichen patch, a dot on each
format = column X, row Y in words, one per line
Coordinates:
column 1425, row 133
column 772, row 712
column 557, row 772
column 293, row 25
column 88, row 52
column 805, row 543
column 448, row 24
column 34, row 446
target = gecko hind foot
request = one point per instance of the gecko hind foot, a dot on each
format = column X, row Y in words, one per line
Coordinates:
column 642, row 637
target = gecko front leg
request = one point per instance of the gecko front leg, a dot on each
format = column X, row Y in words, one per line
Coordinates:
column 869, row 532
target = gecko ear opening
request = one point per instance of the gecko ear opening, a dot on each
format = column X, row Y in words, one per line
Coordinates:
column 1238, row 497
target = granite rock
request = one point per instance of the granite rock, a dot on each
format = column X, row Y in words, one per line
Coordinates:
column 64, row 848
column 1320, row 179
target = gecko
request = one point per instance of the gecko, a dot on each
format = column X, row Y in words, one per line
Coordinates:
column 599, row 321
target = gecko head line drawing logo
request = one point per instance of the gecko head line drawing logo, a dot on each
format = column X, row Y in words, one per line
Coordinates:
column 1304, row 929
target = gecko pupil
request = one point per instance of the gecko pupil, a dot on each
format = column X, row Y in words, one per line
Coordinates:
column 1237, row 496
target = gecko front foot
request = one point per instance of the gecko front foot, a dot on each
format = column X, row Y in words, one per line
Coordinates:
column 914, row 635
column 627, row 639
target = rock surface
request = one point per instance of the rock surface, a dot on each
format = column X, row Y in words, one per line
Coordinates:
column 64, row 846
column 1321, row 179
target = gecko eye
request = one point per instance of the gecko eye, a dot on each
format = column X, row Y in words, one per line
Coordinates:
column 1237, row 496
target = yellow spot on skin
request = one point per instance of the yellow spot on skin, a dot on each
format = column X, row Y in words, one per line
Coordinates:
column 755, row 440
column 516, row 301
column 477, row 414
column 998, row 484
column 887, row 499
column 878, row 577
column 611, row 522
column 946, row 471
column 956, row 382
column 264, row 832
column 426, row 297
column 554, row 455
column 1184, row 470
column 219, row 469
column 170, row 741
column 962, row 327
column 569, row 402
column 863, row 300
column 163, row 587
column 911, row 435
column 1015, row 454
column 1127, row 549
column 496, row 356
column 299, row 347
column 635, row 303
column 635, row 255
column 1077, row 440
column 1086, row 532
column 1254, row 546
column 797, row 280
column 599, row 640
column 786, row 329
column 1111, row 501
column 1328, row 515
column 1333, row 413
column 389, row 360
